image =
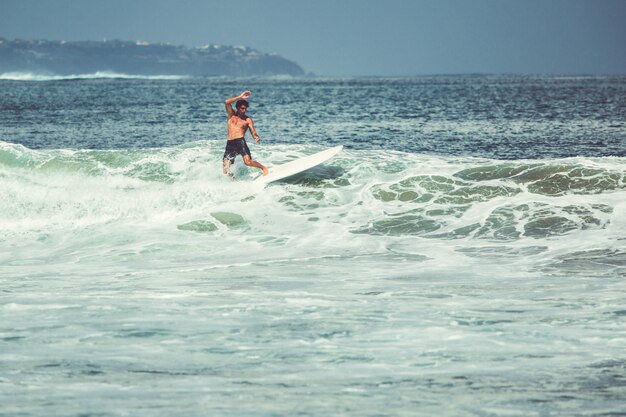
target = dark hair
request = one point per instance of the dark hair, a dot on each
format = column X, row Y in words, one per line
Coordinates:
column 241, row 102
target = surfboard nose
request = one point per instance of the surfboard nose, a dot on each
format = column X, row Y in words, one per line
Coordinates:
column 299, row 165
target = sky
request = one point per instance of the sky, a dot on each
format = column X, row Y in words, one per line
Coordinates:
column 356, row 37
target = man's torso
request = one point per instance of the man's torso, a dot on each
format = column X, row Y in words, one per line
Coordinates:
column 237, row 127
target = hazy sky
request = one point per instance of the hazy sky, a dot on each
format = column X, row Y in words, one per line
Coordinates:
column 356, row 37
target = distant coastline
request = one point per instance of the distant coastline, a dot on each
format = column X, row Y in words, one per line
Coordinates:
column 130, row 58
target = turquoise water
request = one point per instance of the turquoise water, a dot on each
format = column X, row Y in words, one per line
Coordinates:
column 393, row 280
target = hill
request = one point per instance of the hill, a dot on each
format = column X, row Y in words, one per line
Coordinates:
column 139, row 57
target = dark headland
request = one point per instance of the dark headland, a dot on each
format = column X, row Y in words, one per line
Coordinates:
column 139, row 58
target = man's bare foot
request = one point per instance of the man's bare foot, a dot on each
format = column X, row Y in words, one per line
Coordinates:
column 265, row 171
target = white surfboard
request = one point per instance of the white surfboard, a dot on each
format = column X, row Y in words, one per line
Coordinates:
column 297, row 166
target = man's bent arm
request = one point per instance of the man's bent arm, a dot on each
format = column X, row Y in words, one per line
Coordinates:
column 254, row 134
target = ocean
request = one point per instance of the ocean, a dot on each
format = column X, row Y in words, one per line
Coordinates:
column 464, row 255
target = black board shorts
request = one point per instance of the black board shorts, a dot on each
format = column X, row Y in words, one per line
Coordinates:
column 236, row 147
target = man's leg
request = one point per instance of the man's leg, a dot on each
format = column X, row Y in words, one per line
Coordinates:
column 252, row 163
column 226, row 163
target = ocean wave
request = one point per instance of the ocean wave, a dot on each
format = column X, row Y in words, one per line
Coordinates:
column 34, row 76
column 363, row 193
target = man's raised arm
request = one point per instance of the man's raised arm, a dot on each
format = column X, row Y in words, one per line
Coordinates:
column 229, row 101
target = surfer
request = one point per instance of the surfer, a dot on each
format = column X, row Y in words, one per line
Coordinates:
column 238, row 123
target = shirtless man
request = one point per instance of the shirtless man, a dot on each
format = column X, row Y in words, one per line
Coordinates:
column 238, row 123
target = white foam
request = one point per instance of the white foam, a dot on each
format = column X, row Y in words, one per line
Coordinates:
column 143, row 196
column 34, row 76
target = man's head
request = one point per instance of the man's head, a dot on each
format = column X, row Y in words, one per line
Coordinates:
column 241, row 106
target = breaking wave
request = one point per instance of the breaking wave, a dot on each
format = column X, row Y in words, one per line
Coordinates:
column 479, row 209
